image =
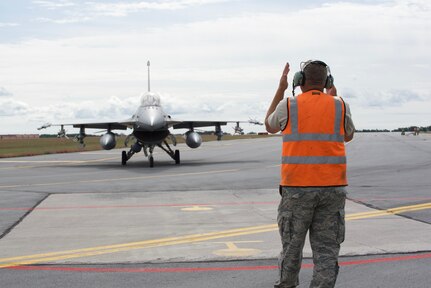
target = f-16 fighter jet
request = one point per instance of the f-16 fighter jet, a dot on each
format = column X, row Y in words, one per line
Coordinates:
column 150, row 126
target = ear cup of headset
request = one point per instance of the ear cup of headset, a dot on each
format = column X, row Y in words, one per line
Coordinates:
column 329, row 81
column 298, row 79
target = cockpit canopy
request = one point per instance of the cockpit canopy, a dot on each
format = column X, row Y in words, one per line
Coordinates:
column 150, row 99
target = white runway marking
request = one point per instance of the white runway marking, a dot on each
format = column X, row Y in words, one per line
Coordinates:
column 120, row 179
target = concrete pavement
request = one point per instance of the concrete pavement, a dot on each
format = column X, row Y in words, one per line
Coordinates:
column 218, row 205
column 118, row 228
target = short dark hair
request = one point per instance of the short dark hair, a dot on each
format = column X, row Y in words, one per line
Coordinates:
column 315, row 74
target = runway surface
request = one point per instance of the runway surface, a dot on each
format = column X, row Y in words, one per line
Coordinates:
column 87, row 219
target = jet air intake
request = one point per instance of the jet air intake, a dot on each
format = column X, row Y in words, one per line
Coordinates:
column 193, row 139
column 107, row 141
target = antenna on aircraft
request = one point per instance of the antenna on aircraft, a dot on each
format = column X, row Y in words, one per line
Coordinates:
column 148, row 65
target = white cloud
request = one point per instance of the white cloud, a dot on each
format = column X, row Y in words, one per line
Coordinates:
column 11, row 107
column 229, row 67
column 384, row 98
column 113, row 109
column 67, row 20
column 54, row 5
column 5, row 93
column 126, row 7
column 8, row 24
column 86, row 11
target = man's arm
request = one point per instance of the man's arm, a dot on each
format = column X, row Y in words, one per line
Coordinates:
column 348, row 138
column 279, row 95
column 348, row 123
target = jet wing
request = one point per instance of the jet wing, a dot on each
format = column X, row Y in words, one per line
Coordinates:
column 195, row 124
column 120, row 125
column 105, row 125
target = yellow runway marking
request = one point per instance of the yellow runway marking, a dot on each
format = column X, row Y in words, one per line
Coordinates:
column 38, row 258
column 272, row 166
column 120, row 179
column 101, row 250
column 390, row 211
column 196, row 208
column 234, row 251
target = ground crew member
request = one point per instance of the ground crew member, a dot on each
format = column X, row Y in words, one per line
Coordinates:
column 314, row 127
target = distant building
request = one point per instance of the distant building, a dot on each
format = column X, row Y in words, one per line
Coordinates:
column 19, row 136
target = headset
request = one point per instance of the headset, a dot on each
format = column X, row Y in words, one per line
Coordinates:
column 299, row 77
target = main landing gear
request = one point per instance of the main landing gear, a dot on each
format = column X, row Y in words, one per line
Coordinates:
column 148, row 151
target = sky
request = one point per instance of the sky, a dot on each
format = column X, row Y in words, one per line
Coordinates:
column 75, row 61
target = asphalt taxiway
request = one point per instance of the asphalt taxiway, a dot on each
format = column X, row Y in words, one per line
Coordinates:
column 65, row 212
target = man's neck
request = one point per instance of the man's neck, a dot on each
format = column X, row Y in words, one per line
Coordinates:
column 308, row 89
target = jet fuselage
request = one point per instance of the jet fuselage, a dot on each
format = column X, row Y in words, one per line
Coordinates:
column 150, row 126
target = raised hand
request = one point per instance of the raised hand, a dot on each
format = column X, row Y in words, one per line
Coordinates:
column 283, row 80
column 332, row 91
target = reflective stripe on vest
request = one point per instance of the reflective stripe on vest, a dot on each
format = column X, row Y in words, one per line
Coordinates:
column 295, row 136
column 314, row 159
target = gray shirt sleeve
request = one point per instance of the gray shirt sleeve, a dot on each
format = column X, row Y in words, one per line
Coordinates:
column 348, row 122
column 278, row 119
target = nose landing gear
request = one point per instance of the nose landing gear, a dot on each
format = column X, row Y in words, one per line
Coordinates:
column 148, row 151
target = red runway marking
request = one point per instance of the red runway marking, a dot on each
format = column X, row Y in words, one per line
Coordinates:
column 392, row 259
column 206, row 269
column 140, row 206
column 393, row 198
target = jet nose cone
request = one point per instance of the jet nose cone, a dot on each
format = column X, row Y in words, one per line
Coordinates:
column 152, row 119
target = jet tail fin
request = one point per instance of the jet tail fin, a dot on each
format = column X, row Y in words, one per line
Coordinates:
column 148, row 65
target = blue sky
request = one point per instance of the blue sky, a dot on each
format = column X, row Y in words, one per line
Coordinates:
column 74, row 61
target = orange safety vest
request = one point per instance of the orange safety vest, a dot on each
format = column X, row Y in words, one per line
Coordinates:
column 313, row 153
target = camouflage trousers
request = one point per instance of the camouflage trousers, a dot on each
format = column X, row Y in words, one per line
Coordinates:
column 321, row 212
